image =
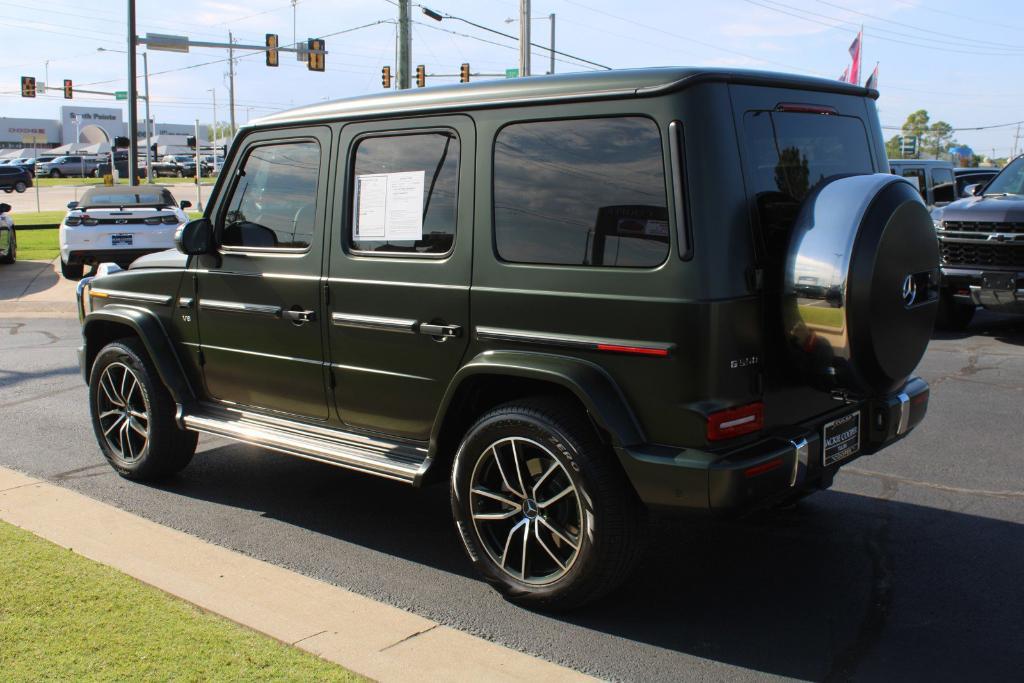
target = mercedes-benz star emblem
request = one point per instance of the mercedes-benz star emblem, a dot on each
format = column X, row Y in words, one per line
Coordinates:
column 909, row 291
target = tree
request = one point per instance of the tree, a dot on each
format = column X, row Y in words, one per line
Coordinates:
column 938, row 138
column 892, row 147
column 218, row 130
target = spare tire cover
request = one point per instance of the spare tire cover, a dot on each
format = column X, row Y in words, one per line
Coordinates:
column 861, row 284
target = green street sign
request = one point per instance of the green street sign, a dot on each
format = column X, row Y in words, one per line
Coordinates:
column 121, row 94
column 511, row 73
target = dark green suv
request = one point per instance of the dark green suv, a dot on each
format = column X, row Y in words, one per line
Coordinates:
column 577, row 298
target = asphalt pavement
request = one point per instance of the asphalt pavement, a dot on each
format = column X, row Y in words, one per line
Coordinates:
column 909, row 568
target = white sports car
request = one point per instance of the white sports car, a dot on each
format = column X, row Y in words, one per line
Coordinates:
column 118, row 224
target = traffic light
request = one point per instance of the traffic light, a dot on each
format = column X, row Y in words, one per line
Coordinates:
column 464, row 73
column 191, row 141
column 385, row 77
column 272, row 53
column 28, row 86
column 316, row 59
column 421, row 76
column 68, row 90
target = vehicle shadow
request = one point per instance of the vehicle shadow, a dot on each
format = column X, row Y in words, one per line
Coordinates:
column 9, row 378
column 841, row 585
column 1005, row 328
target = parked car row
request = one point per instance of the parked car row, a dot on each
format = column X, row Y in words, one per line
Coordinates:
column 14, row 179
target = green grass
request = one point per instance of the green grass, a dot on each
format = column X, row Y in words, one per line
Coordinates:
column 37, row 245
column 25, row 219
column 66, row 182
column 64, row 617
column 815, row 315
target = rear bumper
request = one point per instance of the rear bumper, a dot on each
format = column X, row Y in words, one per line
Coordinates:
column 784, row 465
column 971, row 286
column 118, row 256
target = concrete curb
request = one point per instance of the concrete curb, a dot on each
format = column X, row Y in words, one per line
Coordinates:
column 371, row 638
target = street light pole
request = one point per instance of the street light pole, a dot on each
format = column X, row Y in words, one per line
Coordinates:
column 552, row 17
column 133, row 94
column 149, row 121
column 524, row 37
column 213, row 131
column 231, row 81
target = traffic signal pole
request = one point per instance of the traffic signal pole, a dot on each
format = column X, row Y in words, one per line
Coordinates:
column 145, row 81
column 133, row 114
column 404, row 46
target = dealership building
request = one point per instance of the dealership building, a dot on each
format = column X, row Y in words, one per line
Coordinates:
column 77, row 128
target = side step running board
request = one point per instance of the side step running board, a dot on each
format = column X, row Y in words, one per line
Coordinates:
column 396, row 460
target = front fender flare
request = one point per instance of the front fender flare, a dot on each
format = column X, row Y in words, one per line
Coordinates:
column 594, row 387
column 151, row 332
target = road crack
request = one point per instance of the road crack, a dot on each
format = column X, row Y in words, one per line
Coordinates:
column 408, row 638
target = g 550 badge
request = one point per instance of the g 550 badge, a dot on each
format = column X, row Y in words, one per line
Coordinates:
column 747, row 362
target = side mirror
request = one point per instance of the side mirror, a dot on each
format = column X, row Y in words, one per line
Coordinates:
column 72, row 205
column 974, row 190
column 195, row 237
column 185, row 204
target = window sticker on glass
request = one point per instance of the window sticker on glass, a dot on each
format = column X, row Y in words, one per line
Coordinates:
column 389, row 206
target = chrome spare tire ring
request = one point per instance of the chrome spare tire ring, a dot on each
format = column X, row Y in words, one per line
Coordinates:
column 122, row 411
column 526, row 510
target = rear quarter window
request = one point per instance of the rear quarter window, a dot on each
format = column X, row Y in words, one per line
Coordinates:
column 583, row 192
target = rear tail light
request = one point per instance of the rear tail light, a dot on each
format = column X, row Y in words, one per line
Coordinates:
column 72, row 220
column 726, row 424
column 170, row 220
column 89, row 221
column 153, row 220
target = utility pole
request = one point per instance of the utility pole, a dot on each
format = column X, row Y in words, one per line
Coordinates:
column 524, row 38
column 133, row 96
column 1016, row 139
column 552, row 17
column 149, row 121
column 231, row 80
column 404, row 46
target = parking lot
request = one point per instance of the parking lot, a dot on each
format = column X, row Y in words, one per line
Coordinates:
column 908, row 568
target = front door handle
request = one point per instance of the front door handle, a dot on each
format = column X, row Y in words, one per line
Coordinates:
column 440, row 331
column 299, row 316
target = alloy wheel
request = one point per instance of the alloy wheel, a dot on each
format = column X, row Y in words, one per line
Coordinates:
column 123, row 412
column 526, row 510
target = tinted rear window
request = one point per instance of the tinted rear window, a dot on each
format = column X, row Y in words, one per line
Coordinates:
column 790, row 153
column 141, row 197
column 581, row 192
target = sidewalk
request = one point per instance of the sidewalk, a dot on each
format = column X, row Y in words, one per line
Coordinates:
column 36, row 287
column 376, row 640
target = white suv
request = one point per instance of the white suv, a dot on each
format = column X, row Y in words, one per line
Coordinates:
column 118, row 224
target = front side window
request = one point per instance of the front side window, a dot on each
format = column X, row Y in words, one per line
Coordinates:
column 943, row 189
column 404, row 191
column 582, row 192
column 916, row 176
column 1010, row 180
column 273, row 204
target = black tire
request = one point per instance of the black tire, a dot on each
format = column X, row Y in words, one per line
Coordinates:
column 72, row 272
column 607, row 505
column 165, row 449
column 180, row 174
column 56, row 174
column 20, row 187
column 12, row 252
column 953, row 316
column 8, row 190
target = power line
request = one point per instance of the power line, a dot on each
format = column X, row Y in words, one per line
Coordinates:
column 833, row 22
column 961, row 39
column 489, row 42
column 961, row 128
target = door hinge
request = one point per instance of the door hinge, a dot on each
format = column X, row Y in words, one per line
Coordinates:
column 202, row 357
column 330, row 379
column 327, row 294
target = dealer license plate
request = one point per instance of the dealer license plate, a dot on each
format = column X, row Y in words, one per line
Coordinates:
column 121, row 240
column 841, row 439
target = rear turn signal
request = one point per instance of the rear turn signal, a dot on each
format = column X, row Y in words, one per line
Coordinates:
column 725, row 424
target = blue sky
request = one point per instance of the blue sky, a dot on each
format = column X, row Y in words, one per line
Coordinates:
column 960, row 61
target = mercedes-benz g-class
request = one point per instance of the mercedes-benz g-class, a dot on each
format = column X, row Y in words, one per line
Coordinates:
column 576, row 298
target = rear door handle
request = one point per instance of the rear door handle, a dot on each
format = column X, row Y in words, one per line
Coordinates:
column 441, row 331
column 298, row 317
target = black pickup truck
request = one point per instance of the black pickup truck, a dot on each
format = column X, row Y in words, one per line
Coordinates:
column 982, row 244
